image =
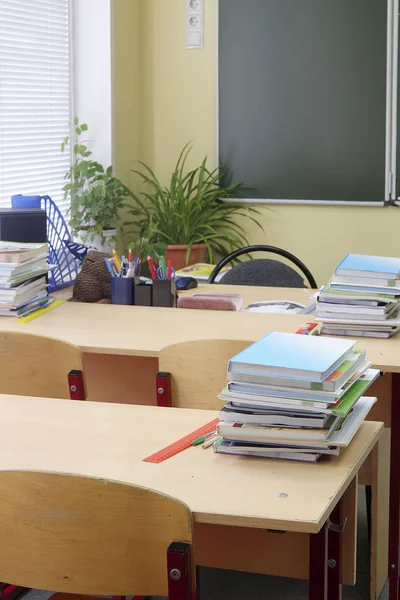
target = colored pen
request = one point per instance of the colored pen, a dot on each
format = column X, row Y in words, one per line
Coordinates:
column 136, row 266
column 37, row 307
column 131, row 267
column 117, row 260
column 109, row 267
column 203, row 438
column 114, row 268
column 40, row 303
column 152, row 268
column 130, row 259
column 169, row 269
column 163, row 267
column 211, row 442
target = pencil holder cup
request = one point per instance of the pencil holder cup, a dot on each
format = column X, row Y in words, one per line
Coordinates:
column 143, row 295
column 164, row 293
column 122, row 290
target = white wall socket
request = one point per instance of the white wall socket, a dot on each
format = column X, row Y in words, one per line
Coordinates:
column 194, row 24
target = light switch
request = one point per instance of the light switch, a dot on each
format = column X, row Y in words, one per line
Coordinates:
column 194, row 24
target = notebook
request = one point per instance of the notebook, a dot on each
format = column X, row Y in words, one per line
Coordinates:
column 273, row 417
column 254, row 431
column 379, row 282
column 374, row 266
column 341, row 437
column 353, row 363
column 307, row 357
column 243, row 449
column 21, row 252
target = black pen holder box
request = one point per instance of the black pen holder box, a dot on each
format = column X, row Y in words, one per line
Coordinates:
column 143, row 294
column 122, row 290
column 164, row 293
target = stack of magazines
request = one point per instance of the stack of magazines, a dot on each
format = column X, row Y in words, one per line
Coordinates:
column 362, row 298
column 294, row 397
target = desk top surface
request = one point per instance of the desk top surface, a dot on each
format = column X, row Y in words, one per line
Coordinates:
column 143, row 331
column 111, row 440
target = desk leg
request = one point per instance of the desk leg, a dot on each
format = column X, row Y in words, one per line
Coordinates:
column 325, row 560
column 394, row 505
column 334, row 554
column 318, row 576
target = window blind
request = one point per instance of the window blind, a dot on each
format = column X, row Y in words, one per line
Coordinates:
column 35, row 98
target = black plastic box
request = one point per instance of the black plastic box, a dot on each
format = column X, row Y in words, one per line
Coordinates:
column 23, row 225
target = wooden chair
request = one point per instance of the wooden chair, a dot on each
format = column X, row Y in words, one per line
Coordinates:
column 33, row 365
column 84, row 535
column 193, row 373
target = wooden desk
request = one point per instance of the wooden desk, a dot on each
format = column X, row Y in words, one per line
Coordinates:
column 144, row 331
column 233, row 493
column 121, row 347
column 121, row 344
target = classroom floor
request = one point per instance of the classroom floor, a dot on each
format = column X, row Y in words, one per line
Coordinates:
column 232, row 585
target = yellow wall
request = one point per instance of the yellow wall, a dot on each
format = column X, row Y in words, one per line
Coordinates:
column 164, row 96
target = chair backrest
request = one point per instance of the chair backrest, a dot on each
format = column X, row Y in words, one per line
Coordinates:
column 85, row 535
column 262, row 248
column 33, row 365
column 198, row 370
column 263, row 272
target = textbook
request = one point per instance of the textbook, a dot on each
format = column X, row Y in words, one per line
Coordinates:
column 351, row 317
column 273, row 418
column 240, row 448
column 332, row 383
column 350, row 330
column 390, row 322
column 380, row 267
column 392, row 284
column 340, row 408
column 250, row 431
column 382, row 310
column 340, row 434
column 249, row 449
column 365, row 288
column 307, row 357
column 285, row 393
column 357, row 298
column 201, row 271
column 20, row 252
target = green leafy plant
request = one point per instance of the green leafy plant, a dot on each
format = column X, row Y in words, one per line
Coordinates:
column 190, row 209
column 144, row 247
column 96, row 195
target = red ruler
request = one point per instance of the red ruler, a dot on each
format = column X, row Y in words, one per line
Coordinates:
column 182, row 444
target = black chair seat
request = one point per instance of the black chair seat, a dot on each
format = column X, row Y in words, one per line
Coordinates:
column 263, row 272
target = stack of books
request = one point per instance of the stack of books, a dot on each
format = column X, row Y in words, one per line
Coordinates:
column 362, row 298
column 294, row 397
column 23, row 270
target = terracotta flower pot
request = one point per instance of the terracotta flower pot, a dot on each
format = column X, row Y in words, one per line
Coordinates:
column 177, row 255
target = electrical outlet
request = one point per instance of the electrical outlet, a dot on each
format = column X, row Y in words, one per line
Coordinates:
column 194, row 24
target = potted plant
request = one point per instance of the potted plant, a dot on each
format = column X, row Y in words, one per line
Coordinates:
column 96, row 196
column 189, row 214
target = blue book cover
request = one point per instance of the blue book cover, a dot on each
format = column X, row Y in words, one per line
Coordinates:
column 308, row 357
column 369, row 264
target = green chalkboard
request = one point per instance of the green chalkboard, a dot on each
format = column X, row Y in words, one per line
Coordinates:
column 302, row 97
